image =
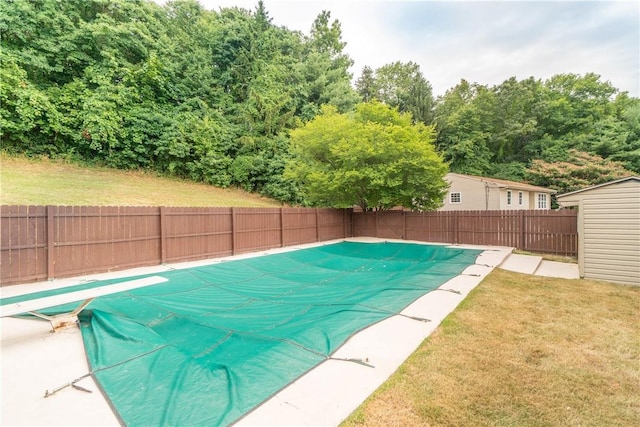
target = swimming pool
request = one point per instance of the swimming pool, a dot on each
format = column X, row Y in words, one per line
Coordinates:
column 215, row 341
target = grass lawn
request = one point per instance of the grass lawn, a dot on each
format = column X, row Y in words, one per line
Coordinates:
column 522, row 351
column 26, row 181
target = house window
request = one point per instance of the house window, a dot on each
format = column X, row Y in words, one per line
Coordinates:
column 455, row 197
column 542, row 201
column 508, row 197
column 520, row 198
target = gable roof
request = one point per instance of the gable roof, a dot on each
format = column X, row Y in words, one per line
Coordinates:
column 617, row 181
column 503, row 183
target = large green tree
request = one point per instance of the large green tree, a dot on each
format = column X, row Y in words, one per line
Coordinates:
column 374, row 158
column 400, row 85
column 464, row 126
column 326, row 68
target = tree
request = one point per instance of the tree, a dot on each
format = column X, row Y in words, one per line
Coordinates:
column 326, row 68
column 374, row 158
column 517, row 107
column 581, row 170
column 401, row 86
column 366, row 84
column 463, row 123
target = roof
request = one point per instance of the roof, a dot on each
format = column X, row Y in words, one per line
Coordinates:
column 503, row 183
column 617, row 181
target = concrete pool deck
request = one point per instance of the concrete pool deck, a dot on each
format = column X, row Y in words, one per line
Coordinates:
column 33, row 360
column 531, row 264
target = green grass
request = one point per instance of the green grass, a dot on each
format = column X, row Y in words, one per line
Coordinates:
column 522, row 351
column 25, row 181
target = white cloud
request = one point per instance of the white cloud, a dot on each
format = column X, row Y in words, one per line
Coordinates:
column 480, row 41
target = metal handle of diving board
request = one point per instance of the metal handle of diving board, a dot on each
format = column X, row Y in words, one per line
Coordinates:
column 85, row 296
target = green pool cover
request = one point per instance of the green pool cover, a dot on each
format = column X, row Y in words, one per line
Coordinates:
column 214, row 342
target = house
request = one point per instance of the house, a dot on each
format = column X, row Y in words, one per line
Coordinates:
column 468, row 192
column 608, row 230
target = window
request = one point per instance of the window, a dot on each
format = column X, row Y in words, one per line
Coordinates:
column 508, row 197
column 520, row 198
column 455, row 197
column 542, row 201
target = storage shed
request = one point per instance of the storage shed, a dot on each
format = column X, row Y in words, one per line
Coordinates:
column 608, row 230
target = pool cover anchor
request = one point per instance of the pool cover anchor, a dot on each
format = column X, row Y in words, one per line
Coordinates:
column 453, row 291
column 72, row 384
column 359, row 361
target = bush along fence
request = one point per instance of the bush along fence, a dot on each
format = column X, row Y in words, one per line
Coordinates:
column 46, row 242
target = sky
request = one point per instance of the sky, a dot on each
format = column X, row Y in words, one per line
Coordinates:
column 481, row 41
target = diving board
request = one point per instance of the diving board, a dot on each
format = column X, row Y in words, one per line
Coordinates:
column 85, row 297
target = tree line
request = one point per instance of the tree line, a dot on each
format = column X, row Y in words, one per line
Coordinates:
column 214, row 96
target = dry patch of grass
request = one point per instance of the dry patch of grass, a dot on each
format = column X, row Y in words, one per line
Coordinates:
column 26, row 181
column 522, row 350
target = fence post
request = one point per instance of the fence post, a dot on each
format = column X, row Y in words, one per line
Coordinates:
column 317, row 225
column 344, row 222
column 404, row 225
column 456, row 227
column 233, row 231
column 522, row 230
column 281, row 227
column 50, row 243
column 163, row 236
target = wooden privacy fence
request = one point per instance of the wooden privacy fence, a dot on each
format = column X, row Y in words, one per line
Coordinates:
column 553, row 232
column 43, row 242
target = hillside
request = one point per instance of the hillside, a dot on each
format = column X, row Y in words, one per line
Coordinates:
column 25, row 181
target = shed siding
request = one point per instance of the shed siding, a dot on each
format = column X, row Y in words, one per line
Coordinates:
column 611, row 218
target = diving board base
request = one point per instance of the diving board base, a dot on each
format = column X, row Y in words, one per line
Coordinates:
column 64, row 320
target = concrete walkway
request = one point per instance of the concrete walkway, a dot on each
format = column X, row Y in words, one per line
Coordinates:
column 530, row 264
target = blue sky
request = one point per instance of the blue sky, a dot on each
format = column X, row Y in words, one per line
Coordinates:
column 481, row 41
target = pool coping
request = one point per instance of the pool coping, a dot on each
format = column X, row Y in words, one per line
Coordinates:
column 34, row 360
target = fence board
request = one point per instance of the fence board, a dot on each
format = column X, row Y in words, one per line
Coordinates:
column 23, row 243
column 333, row 224
column 437, row 227
column 257, row 229
column 197, row 233
column 299, row 226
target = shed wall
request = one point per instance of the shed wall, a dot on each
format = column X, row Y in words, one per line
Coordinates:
column 610, row 241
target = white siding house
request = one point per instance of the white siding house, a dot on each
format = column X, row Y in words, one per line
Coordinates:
column 468, row 192
column 608, row 230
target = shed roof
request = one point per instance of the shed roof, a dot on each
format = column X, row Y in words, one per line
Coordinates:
column 503, row 183
column 617, row 181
